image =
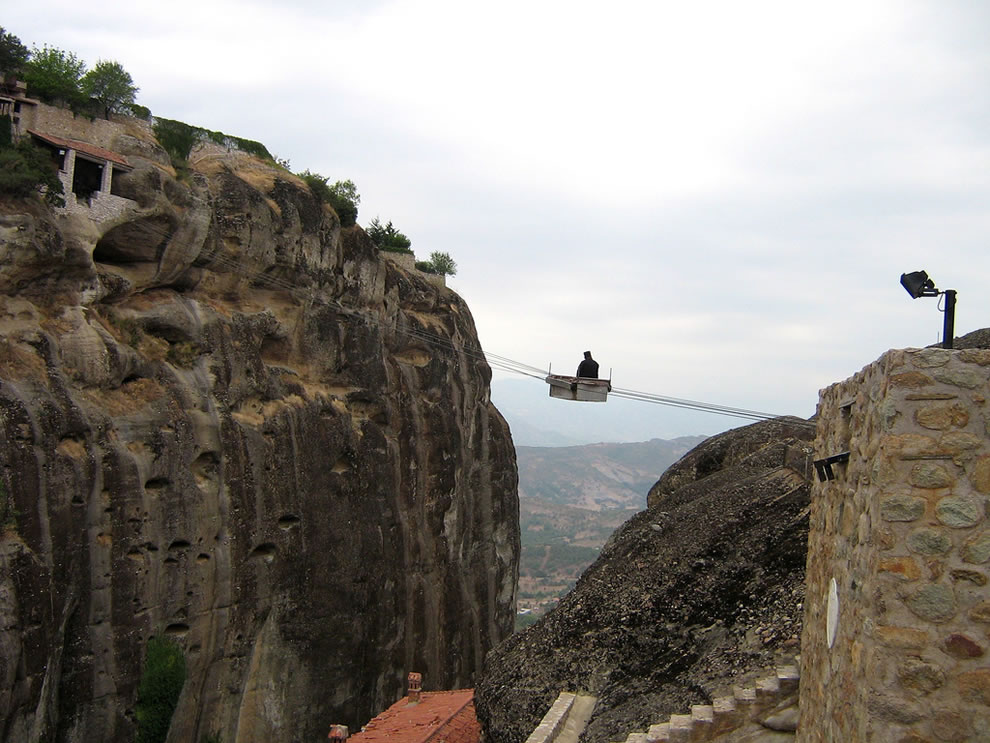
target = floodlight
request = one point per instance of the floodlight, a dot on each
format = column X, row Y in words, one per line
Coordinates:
column 917, row 284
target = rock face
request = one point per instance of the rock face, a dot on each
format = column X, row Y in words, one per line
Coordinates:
column 225, row 420
column 701, row 590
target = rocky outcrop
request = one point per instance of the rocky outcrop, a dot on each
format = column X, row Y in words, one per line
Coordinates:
column 700, row 591
column 226, row 420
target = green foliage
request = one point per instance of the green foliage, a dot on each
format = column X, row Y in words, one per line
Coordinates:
column 439, row 263
column 158, row 693
column 139, row 111
column 425, row 267
column 342, row 196
column 6, row 131
column 211, row 738
column 26, row 169
column 387, row 237
column 110, row 85
column 13, row 54
column 54, row 75
column 179, row 138
column 344, row 199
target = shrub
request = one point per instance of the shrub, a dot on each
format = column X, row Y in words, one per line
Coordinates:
column 26, row 169
column 140, row 112
column 443, row 264
column 342, row 196
column 110, row 85
column 158, row 693
column 178, row 139
column 387, row 237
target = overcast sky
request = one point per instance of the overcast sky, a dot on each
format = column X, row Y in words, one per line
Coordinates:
column 716, row 198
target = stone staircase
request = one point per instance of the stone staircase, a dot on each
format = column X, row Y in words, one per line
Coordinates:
column 767, row 705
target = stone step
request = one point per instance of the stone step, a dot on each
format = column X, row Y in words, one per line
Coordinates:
column 725, row 714
column 702, row 721
column 767, row 691
column 789, row 678
column 681, row 728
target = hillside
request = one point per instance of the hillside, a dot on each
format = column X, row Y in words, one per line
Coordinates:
column 571, row 499
column 688, row 596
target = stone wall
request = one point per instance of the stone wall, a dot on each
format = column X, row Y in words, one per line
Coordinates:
column 900, row 540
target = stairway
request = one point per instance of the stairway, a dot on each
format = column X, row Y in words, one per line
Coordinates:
column 708, row 722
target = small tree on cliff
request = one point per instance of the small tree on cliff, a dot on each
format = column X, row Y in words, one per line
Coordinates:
column 53, row 75
column 443, row 264
column 342, row 196
column 387, row 237
column 111, row 86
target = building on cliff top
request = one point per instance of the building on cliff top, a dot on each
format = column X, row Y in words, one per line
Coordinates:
column 421, row 716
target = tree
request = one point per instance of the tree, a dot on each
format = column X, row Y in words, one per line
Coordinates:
column 111, row 85
column 53, row 75
column 342, row 196
column 443, row 264
column 387, row 237
column 344, row 199
column 13, row 54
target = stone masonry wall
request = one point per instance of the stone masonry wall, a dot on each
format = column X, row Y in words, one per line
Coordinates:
column 903, row 531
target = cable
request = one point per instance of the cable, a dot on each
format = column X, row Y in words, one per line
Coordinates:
column 447, row 344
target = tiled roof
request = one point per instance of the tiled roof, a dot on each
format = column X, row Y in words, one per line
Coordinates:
column 84, row 147
column 438, row 717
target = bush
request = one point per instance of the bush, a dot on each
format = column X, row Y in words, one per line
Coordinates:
column 158, row 693
column 342, row 196
column 26, row 169
column 140, row 112
column 387, row 237
column 178, row 139
column 441, row 263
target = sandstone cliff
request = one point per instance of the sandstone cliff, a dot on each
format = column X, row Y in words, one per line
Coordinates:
column 226, row 420
column 701, row 590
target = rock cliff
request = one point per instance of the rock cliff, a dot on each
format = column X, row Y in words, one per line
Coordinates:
column 228, row 421
column 701, row 590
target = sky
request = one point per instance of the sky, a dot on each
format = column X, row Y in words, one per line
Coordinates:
column 717, row 198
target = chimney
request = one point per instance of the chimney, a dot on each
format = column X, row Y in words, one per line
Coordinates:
column 415, row 686
column 338, row 733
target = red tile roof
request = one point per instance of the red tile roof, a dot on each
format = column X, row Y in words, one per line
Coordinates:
column 438, row 717
column 87, row 149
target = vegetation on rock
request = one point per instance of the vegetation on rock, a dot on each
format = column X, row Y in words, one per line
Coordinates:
column 387, row 237
column 13, row 54
column 440, row 264
column 111, row 86
column 342, row 196
column 54, row 76
column 26, row 170
column 161, row 683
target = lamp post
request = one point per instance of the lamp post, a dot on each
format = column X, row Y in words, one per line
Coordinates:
column 917, row 284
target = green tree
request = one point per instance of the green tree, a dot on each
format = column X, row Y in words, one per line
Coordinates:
column 54, row 75
column 387, row 237
column 443, row 264
column 111, row 85
column 25, row 170
column 342, row 196
column 344, row 199
column 13, row 54
column 158, row 692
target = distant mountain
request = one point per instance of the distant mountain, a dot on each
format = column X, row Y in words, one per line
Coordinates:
column 598, row 476
column 571, row 499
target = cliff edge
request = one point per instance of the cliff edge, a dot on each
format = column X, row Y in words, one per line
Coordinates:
column 228, row 421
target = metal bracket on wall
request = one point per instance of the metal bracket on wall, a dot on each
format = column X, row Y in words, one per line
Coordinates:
column 824, row 466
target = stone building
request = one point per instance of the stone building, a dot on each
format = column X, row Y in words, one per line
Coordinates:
column 897, row 609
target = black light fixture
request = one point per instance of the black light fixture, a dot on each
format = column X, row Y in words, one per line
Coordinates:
column 917, row 284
